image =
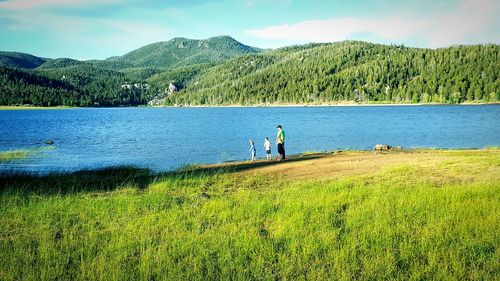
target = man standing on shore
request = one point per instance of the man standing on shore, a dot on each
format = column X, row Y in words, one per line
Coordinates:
column 280, row 141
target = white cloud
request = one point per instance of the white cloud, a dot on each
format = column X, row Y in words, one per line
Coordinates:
column 339, row 29
column 470, row 18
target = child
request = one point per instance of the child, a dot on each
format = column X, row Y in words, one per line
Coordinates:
column 253, row 150
column 267, row 146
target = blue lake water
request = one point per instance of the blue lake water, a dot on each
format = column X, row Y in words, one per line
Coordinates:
column 166, row 138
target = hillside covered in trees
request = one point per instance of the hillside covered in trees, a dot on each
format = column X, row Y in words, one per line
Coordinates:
column 116, row 81
column 350, row 71
column 222, row 71
column 20, row 60
column 180, row 52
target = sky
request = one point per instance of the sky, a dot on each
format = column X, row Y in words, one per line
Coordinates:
column 97, row 29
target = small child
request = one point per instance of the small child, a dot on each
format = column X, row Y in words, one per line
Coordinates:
column 267, row 146
column 253, row 150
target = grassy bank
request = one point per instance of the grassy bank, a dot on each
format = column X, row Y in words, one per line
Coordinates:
column 348, row 215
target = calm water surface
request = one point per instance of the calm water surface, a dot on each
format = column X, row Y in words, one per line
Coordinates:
column 166, row 138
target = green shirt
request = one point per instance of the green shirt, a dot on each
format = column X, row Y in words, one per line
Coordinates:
column 281, row 135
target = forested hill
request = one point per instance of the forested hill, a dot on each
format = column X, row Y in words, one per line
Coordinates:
column 350, row 71
column 222, row 71
column 20, row 60
column 114, row 81
column 180, row 52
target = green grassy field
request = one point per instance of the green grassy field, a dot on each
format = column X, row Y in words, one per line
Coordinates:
column 427, row 219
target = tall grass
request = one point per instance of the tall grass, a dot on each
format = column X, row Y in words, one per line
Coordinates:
column 407, row 222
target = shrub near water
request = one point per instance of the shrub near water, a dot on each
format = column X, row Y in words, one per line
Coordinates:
column 407, row 222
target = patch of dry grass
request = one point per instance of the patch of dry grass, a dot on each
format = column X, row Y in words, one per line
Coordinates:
column 350, row 163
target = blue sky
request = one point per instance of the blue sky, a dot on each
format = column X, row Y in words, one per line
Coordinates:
column 88, row 29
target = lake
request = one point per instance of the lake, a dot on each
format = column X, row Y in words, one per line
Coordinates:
column 167, row 138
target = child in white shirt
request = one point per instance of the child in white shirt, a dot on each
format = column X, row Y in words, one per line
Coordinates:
column 267, row 146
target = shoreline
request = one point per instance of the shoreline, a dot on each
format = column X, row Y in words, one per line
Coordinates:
column 18, row 107
column 235, row 164
column 326, row 105
column 321, row 154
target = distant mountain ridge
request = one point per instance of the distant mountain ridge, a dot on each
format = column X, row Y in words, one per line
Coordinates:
column 119, row 80
column 182, row 52
column 20, row 60
column 60, row 63
column 177, row 52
